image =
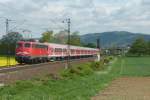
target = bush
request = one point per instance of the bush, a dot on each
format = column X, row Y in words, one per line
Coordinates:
column 99, row 65
column 65, row 73
column 110, row 58
column 95, row 65
column 106, row 60
column 86, row 68
column 83, row 69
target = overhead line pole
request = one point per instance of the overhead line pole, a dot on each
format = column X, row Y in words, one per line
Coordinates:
column 7, row 25
column 68, row 21
column 99, row 48
column 7, row 31
column 68, row 59
column 7, row 45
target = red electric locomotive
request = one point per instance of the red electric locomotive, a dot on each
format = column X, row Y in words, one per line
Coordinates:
column 28, row 52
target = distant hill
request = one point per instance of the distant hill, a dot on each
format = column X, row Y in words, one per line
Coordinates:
column 115, row 38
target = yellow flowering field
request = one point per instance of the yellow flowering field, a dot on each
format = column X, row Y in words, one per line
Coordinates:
column 3, row 61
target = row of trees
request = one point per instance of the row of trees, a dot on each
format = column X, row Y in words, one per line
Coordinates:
column 140, row 47
column 61, row 38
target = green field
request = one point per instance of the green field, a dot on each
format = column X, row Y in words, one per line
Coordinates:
column 76, row 88
column 3, row 61
column 135, row 66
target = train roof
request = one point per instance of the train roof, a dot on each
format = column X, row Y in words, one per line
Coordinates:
column 55, row 45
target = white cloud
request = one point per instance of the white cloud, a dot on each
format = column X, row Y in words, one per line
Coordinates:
column 4, row 1
column 87, row 16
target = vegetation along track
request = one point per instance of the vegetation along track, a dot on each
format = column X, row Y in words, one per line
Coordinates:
column 26, row 66
column 11, row 74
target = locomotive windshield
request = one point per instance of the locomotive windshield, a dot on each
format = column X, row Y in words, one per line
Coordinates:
column 18, row 45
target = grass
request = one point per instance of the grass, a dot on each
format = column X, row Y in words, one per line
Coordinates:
column 135, row 66
column 3, row 61
column 77, row 87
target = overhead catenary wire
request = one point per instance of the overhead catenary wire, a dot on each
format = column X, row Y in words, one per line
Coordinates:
column 17, row 26
column 58, row 25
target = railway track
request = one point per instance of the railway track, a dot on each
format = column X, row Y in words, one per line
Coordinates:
column 27, row 66
column 24, row 66
column 23, row 72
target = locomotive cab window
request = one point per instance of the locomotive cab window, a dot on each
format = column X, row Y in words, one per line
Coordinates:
column 41, row 46
column 18, row 45
column 27, row 45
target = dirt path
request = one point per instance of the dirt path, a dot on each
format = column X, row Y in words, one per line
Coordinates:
column 126, row 89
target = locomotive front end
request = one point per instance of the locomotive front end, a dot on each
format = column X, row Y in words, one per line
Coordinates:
column 23, row 52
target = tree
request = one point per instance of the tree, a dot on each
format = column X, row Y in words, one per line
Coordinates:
column 148, row 47
column 47, row 36
column 139, row 47
column 75, row 39
column 91, row 45
column 8, row 42
column 61, row 37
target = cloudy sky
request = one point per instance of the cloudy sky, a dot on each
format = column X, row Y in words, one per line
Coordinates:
column 87, row 16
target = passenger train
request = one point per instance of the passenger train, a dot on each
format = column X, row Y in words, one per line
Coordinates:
column 35, row 52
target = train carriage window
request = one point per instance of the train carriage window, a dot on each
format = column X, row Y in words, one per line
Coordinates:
column 64, row 50
column 55, row 50
column 58, row 50
column 27, row 45
column 72, row 50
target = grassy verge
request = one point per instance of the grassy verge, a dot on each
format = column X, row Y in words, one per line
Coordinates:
column 79, row 88
column 3, row 61
column 75, row 87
